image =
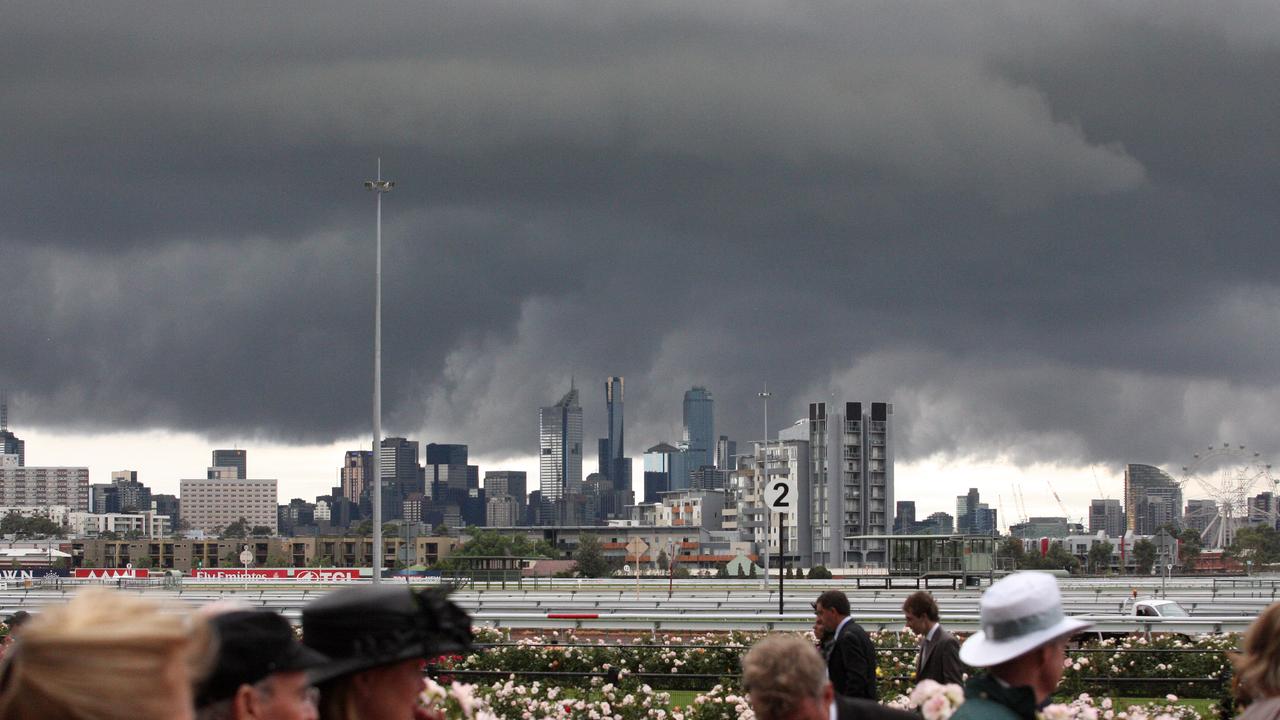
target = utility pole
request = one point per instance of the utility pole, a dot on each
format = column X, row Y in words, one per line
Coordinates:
column 378, row 187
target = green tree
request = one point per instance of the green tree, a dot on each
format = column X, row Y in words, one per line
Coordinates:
column 753, row 572
column 741, row 572
column 1100, row 557
column 664, row 562
column 144, row 561
column 260, row 531
column 133, row 535
column 722, row 572
column 1258, row 544
column 590, row 558
column 20, row 526
column 277, row 561
column 799, row 573
column 488, row 543
column 1189, row 548
column 1144, row 554
column 819, row 572
column 237, row 529
column 365, row 529
column 1058, row 559
column 1011, row 549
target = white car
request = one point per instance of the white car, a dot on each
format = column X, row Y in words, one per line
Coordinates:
column 1150, row 607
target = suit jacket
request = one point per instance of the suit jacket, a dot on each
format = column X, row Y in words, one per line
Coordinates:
column 859, row 709
column 851, row 662
column 940, row 659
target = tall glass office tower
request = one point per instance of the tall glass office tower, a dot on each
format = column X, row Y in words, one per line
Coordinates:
column 560, row 448
column 615, row 465
column 700, row 426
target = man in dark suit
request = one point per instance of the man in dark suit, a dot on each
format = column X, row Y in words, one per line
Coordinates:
column 851, row 657
column 939, row 658
column 785, row 679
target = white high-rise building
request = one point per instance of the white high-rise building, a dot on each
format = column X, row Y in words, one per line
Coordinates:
column 851, row 493
column 44, row 486
column 560, row 448
column 788, row 536
column 210, row 505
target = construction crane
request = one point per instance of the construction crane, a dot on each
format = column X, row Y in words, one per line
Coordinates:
column 1094, row 469
column 1061, row 505
column 1019, row 504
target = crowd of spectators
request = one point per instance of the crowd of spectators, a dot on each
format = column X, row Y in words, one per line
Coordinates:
column 108, row 655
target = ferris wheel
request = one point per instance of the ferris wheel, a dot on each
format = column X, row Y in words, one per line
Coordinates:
column 1228, row 475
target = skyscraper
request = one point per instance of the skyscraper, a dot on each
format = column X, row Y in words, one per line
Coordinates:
column 657, row 470
column 851, row 453
column 1151, row 498
column 232, row 459
column 726, row 449
column 357, row 470
column 700, row 426
column 399, row 474
column 613, row 397
column 560, row 449
column 904, row 520
column 1106, row 515
column 9, row 443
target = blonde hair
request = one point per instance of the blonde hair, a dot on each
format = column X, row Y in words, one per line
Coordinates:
column 1258, row 666
column 780, row 672
column 101, row 656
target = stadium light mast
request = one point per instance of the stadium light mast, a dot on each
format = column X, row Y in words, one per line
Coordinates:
column 378, row 187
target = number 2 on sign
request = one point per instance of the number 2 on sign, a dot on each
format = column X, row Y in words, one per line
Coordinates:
column 782, row 489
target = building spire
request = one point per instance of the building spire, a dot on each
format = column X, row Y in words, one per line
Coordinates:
column 4, row 411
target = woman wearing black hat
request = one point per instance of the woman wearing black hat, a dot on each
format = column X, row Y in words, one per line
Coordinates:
column 378, row 638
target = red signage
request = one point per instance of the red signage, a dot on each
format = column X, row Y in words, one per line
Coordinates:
column 302, row 574
column 111, row 573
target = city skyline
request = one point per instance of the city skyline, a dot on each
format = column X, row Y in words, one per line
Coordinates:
column 1044, row 234
column 309, row 471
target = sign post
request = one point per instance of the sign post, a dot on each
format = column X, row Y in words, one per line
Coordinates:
column 636, row 547
column 246, row 558
column 780, row 497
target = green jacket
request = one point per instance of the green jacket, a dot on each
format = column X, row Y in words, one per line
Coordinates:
column 986, row 699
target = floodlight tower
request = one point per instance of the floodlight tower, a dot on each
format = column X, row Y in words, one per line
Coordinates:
column 378, row 187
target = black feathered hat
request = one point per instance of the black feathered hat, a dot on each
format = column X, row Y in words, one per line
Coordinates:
column 369, row 626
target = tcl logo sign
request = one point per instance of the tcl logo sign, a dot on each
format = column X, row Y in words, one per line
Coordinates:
column 327, row 575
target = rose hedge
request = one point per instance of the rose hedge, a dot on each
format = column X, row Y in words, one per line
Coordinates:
column 1098, row 667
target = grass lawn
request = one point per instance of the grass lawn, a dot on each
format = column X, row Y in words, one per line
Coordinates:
column 1202, row 706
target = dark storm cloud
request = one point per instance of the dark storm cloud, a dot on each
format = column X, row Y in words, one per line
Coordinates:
column 1046, row 232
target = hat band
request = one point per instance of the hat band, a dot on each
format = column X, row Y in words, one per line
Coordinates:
column 1023, row 625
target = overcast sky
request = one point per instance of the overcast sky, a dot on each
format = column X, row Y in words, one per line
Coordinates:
column 1046, row 232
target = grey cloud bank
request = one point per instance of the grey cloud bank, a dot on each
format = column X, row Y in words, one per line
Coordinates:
column 1044, row 231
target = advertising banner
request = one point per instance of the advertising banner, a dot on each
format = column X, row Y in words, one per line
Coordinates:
column 302, row 574
column 111, row 573
column 33, row 573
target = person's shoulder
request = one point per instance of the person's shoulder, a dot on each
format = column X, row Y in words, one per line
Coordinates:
column 848, row 708
column 975, row 708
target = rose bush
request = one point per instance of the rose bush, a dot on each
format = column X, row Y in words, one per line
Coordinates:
column 1106, row 667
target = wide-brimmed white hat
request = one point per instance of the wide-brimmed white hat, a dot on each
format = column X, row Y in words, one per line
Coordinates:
column 1018, row 613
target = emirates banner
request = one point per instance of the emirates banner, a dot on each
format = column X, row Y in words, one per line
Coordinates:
column 302, row 574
